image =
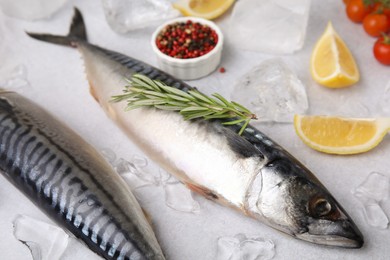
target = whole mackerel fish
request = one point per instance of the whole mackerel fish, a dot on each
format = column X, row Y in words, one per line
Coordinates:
column 250, row 173
column 71, row 182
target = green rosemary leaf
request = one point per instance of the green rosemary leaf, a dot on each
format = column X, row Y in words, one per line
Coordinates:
column 222, row 99
column 200, row 96
column 197, row 115
column 148, row 102
column 189, row 109
column 242, row 108
column 145, row 92
column 176, row 91
column 234, row 122
column 121, row 97
column 216, row 116
column 177, row 97
column 131, row 107
column 136, row 82
column 168, row 107
column 153, row 93
column 147, row 80
column 176, row 103
column 244, row 126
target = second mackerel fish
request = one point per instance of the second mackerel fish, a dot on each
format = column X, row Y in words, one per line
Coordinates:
column 250, row 173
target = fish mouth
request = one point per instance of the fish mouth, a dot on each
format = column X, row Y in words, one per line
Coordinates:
column 332, row 240
column 342, row 233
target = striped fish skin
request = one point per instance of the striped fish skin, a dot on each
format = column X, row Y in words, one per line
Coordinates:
column 66, row 178
column 250, row 173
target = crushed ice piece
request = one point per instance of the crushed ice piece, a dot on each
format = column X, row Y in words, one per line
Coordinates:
column 371, row 192
column 179, row 197
column 375, row 216
column 384, row 103
column 139, row 174
column 44, row 240
column 109, row 155
column 272, row 26
column 145, row 174
column 271, row 91
column 351, row 108
column 375, row 186
column 123, row 167
column 31, row 10
column 241, row 247
column 17, row 78
column 139, row 161
column 126, row 15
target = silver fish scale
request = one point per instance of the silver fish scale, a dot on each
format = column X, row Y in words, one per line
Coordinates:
column 140, row 67
column 33, row 160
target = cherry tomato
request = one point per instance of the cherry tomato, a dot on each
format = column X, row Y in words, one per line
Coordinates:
column 380, row 8
column 356, row 10
column 375, row 24
column 382, row 50
column 346, row 1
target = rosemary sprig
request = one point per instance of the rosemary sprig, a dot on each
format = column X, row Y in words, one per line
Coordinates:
column 145, row 92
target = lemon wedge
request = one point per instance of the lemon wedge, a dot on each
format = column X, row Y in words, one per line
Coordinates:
column 332, row 64
column 337, row 135
column 207, row 9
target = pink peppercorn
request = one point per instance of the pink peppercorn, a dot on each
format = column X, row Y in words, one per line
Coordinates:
column 185, row 40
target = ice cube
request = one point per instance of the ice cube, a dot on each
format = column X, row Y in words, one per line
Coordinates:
column 351, row 108
column 123, row 167
column 16, row 78
column 31, row 9
column 138, row 174
column 179, row 197
column 375, row 187
column 242, row 247
column 371, row 192
column 126, row 15
column 375, row 216
column 44, row 240
column 272, row 26
column 139, row 161
column 271, row 91
column 109, row 155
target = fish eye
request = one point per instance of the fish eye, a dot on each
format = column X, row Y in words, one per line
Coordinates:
column 320, row 207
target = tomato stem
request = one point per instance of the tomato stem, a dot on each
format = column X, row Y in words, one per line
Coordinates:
column 386, row 38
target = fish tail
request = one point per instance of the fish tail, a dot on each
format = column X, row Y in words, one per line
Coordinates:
column 76, row 33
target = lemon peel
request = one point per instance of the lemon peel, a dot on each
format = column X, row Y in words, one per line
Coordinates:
column 341, row 135
column 207, row 9
column 332, row 63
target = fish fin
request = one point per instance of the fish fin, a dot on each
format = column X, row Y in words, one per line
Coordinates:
column 202, row 191
column 240, row 145
column 147, row 216
column 77, row 32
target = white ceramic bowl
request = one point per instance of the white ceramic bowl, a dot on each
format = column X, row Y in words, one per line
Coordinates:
column 193, row 68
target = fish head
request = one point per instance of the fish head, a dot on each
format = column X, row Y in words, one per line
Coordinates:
column 320, row 218
column 294, row 201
